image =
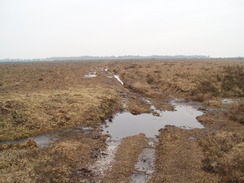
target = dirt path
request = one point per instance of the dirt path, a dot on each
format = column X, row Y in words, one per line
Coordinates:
column 125, row 158
column 178, row 153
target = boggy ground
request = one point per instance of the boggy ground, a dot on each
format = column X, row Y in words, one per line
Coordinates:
column 212, row 154
column 37, row 98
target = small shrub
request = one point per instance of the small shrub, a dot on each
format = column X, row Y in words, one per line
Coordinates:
column 133, row 66
column 149, row 79
column 233, row 81
column 237, row 113
column 157, row 71
column 206, row 87
column 223, row 156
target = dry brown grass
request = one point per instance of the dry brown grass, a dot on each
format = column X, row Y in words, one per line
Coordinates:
column 200, row 80
column 36, row 98
column 60, row 162
column 236, row 112
column 224, row 155
column 178, row 158
column 233, row 81
column 26, row 115
column 41, row 97
column 207, row 81
column 29, row 77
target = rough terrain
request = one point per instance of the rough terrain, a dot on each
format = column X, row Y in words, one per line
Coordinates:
column 38, row 98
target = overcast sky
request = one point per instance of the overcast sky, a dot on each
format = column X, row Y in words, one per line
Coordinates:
column 47, row 28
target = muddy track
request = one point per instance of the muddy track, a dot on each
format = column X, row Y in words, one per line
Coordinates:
column 179, row 154
column 129, row 159
column 124, row 159
column 85, row 153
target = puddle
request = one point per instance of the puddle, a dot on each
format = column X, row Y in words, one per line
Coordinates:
column 119, row 80
column 139, row 178
column 106, row 158
column 200, row 107
column 144, row 166
column 86, row 128
column 126, row 124
column 228, row 101
column 45, row 139
column 91, row 74
column 41, row 140
column 152, row 107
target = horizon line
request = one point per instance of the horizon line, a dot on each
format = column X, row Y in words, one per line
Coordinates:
column 84, row 57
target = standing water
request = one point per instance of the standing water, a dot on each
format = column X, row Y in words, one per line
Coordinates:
column 119, row 80
column 126, row 124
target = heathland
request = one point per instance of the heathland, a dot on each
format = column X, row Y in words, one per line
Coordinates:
column 61, row 97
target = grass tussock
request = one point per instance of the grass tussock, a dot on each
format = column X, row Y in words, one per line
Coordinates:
column 224, row 155
column 178, row 159
column 226, row 83
column 26, row 115
column 58, row 163
column 199, row 80
column 150, row 79
column 236, row 113
column 233, row 81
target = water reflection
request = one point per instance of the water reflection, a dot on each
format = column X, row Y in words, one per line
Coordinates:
column 125, row 124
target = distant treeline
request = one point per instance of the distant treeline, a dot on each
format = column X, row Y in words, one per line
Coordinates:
column 126, row 57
